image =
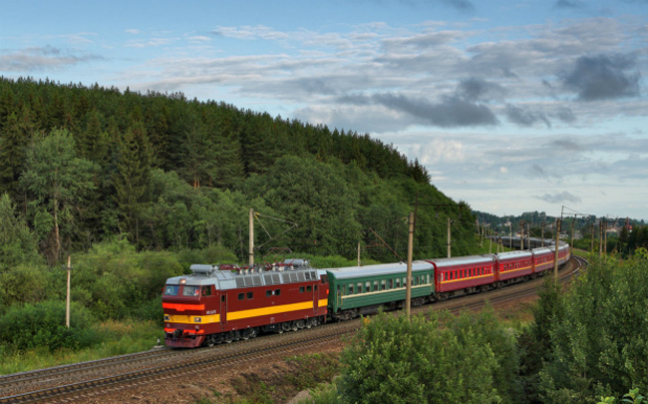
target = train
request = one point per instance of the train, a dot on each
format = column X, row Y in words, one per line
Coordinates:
column 220, row 304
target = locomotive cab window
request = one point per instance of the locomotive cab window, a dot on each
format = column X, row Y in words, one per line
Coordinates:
column 309, row 288
column 241, row 296
column 277, row 292
column 191, row 291
column 206, row 291
column 268, row 293
column 301, row 289
column 171, row 290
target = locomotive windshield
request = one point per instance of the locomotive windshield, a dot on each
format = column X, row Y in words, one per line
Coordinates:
column 171, row 290
column 191, row 290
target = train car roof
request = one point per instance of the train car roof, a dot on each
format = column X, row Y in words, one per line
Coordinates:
column 514, row 254
column 468, row 260
column 377, row 270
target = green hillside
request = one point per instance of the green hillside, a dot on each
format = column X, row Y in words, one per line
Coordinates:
column 82, row 165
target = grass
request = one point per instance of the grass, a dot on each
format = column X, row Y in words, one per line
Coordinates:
column 118, row 338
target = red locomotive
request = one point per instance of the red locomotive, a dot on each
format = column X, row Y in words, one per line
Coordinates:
column 212, row 306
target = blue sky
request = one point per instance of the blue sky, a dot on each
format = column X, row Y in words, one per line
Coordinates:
column 512, row 106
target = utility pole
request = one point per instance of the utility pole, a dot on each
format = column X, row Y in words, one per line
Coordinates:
column 67, row 300
column 449, row 239
column 251, row 244
column 556, row 249
column 528, row 236
column 542, row 233
column 521, row 235
column 410, row 248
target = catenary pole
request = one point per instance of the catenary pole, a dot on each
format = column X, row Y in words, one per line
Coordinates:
column 572, row 232
column 251, row 241
column 67, row 299
column 410, row 248
column 592, row 246
column 449, row 239
column 600, row 238
column 358, row 253
column 556, row 249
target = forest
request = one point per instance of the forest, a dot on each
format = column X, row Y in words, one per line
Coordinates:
column 82, row 165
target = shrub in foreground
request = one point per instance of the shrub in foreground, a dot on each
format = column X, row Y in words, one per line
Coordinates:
column 394, row 360
column 43, row 325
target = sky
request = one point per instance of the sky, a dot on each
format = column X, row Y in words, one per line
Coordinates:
column 512, row 106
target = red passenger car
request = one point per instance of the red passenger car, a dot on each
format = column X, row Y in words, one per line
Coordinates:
column 463, row 275
column 512, row 265
column 543, row 258
column 211, row 306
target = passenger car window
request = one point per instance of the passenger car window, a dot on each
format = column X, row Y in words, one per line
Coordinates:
column 241, row 296
column 250, row 295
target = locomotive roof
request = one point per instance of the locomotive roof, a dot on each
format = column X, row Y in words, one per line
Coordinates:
column 471, row 259
column 223, row 280
column 377, row 270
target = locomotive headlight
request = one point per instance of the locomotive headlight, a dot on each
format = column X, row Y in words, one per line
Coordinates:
column 197, row 319
column 167, row 318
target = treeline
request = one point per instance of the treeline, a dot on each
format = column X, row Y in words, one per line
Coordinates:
column 624, row 242
column 629, row 242
column 85, row 164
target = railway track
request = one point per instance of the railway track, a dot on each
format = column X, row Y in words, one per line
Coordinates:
column 74, row 382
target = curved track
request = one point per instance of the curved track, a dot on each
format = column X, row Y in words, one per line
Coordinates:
column 110, row 374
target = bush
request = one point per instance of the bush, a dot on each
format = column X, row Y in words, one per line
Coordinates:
column 43, row 325
column 394, row 360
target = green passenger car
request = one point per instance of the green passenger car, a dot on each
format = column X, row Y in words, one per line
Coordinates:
column 362, row 290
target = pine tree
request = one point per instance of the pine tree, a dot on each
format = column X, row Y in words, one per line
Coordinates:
column 132, row 177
